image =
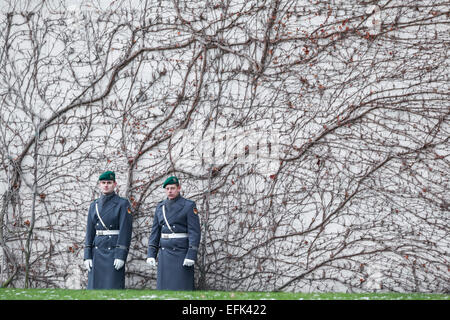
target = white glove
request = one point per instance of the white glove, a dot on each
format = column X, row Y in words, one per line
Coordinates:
column 151, row 262
column 88, row 264
column 188, row 263
column 118, row 263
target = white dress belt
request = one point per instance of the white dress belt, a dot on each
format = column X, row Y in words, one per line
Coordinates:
column 107, row 232
column 173, row 235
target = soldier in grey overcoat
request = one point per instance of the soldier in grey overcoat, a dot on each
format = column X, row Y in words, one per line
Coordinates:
column 108, row 237
column 174, row 239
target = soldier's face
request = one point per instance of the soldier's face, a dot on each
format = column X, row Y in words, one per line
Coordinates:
column 107, row 186
column 172, row 191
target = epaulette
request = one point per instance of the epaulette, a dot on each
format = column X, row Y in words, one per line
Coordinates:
column 160, row 203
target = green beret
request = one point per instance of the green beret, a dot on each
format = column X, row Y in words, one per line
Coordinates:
column 108, row 175
column 171, row 180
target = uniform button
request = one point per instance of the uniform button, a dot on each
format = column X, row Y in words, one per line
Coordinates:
column 109, row 237
column 109, row 248
column 96, row 247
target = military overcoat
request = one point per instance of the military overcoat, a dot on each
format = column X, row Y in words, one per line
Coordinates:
column 182, row 217
column 103, row 249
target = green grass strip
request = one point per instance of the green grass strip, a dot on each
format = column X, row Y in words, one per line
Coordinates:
column 130, row 294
